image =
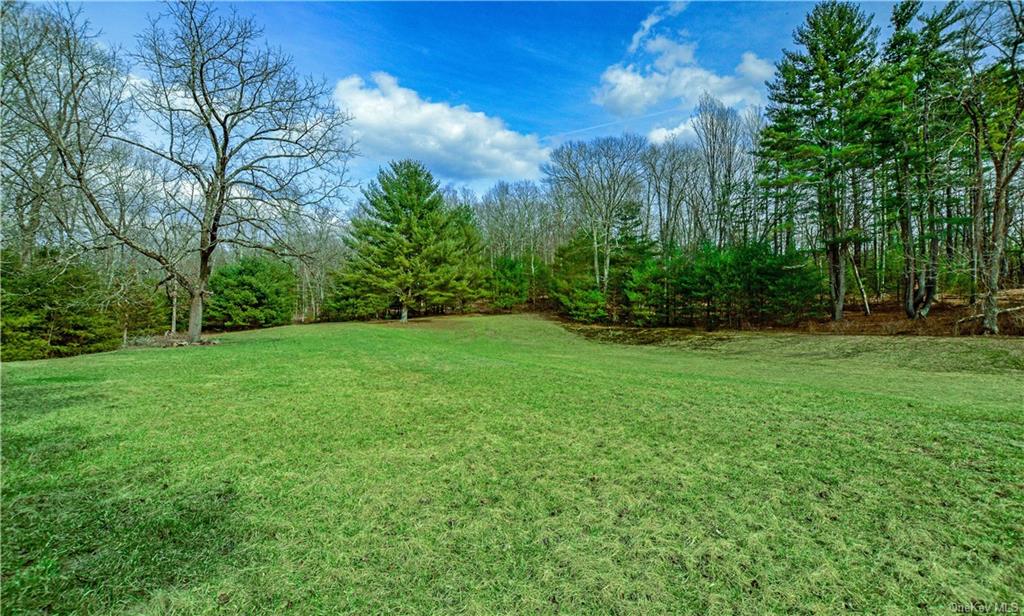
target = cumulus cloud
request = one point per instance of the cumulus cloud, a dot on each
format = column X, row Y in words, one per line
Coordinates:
column 755, row 69
column 631, row 89
column 684, row 131
column 669, row 53
column 662, row 69
column 455, row 142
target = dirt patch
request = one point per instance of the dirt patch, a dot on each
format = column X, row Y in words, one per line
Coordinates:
column 888, row 319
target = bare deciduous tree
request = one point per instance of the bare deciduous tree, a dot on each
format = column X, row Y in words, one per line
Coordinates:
column 245, row 145
column 718, row 131
column 603, row 177
column 670, row 177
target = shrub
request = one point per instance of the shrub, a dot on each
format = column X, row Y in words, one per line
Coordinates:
column 254, row 292
column 573, row 283
column 53, row 309
column 586, row 305
column 343, row 304
column 137, row 308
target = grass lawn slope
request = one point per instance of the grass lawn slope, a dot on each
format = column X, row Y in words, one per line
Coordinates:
column 506, row 465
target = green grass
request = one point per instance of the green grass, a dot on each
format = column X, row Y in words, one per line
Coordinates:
column 505, row 465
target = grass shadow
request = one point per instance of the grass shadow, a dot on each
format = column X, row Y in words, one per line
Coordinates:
column 41, row 396
column 79, row 540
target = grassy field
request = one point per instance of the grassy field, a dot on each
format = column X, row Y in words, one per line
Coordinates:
column 505, row 465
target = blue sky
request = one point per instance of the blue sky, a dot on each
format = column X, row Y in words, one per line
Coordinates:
column 481, row 91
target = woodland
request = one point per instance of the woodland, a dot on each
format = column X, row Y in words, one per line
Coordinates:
column 199, row 182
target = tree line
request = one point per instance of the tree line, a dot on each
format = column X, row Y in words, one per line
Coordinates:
column 891, row 168
column 199, row 175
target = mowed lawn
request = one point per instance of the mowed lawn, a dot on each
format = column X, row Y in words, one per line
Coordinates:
column 505, row 465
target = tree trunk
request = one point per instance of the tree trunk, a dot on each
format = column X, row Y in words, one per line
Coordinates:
column 859, row 238
column 195, row 313
column 860, row 285
column 949, row 224
column 931, row 284
column 977, row 218
column 405, row 313
column 994, row 262
column 907, row 240
column 990, row 323
column 195, row 317
column 837, row 279
column 607, row 260
column 174, row 311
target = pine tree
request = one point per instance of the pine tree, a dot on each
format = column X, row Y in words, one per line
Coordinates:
column 824, row 84
column 890, row 115
column 407, row 248
column 913, row 121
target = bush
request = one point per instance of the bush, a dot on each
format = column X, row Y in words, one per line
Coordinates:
column 52, row 309
column 714, row 286
column 573, row 283
column 345, row 303
column 254, row 292
column 794, row 295
column 710, row 287
column 137, row 308
column 748, row 284
column 586, row 305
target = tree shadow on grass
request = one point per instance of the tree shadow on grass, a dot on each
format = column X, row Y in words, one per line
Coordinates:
column 43, row 396
column 77, row 540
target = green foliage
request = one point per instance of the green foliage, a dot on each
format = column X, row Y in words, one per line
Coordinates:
column 469, row 278
column 711, row 287
column 53, row 309
column 630, row 253
column 347, row 301
column 775, row 288
column 645, row 289
column 712, row 284
column 573, row 284
column 408, row 249
column 586, row 305
column 510, row 283
column 746, row 284
column 254, row 292
column 539, row 276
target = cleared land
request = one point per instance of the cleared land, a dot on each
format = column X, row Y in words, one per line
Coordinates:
column 503, row 464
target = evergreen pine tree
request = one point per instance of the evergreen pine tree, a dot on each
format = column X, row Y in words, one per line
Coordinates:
column 407, row 247
column 824, row 84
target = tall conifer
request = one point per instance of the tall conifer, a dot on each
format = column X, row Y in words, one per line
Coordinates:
column 408, row 248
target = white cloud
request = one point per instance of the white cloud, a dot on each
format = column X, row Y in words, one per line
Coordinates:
column 625, row 91
column 656, row 16
column 684, row 132
column 663, row 69
column 755, row 69
column 630, row 90
column 669, row 53
column 454, row 142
